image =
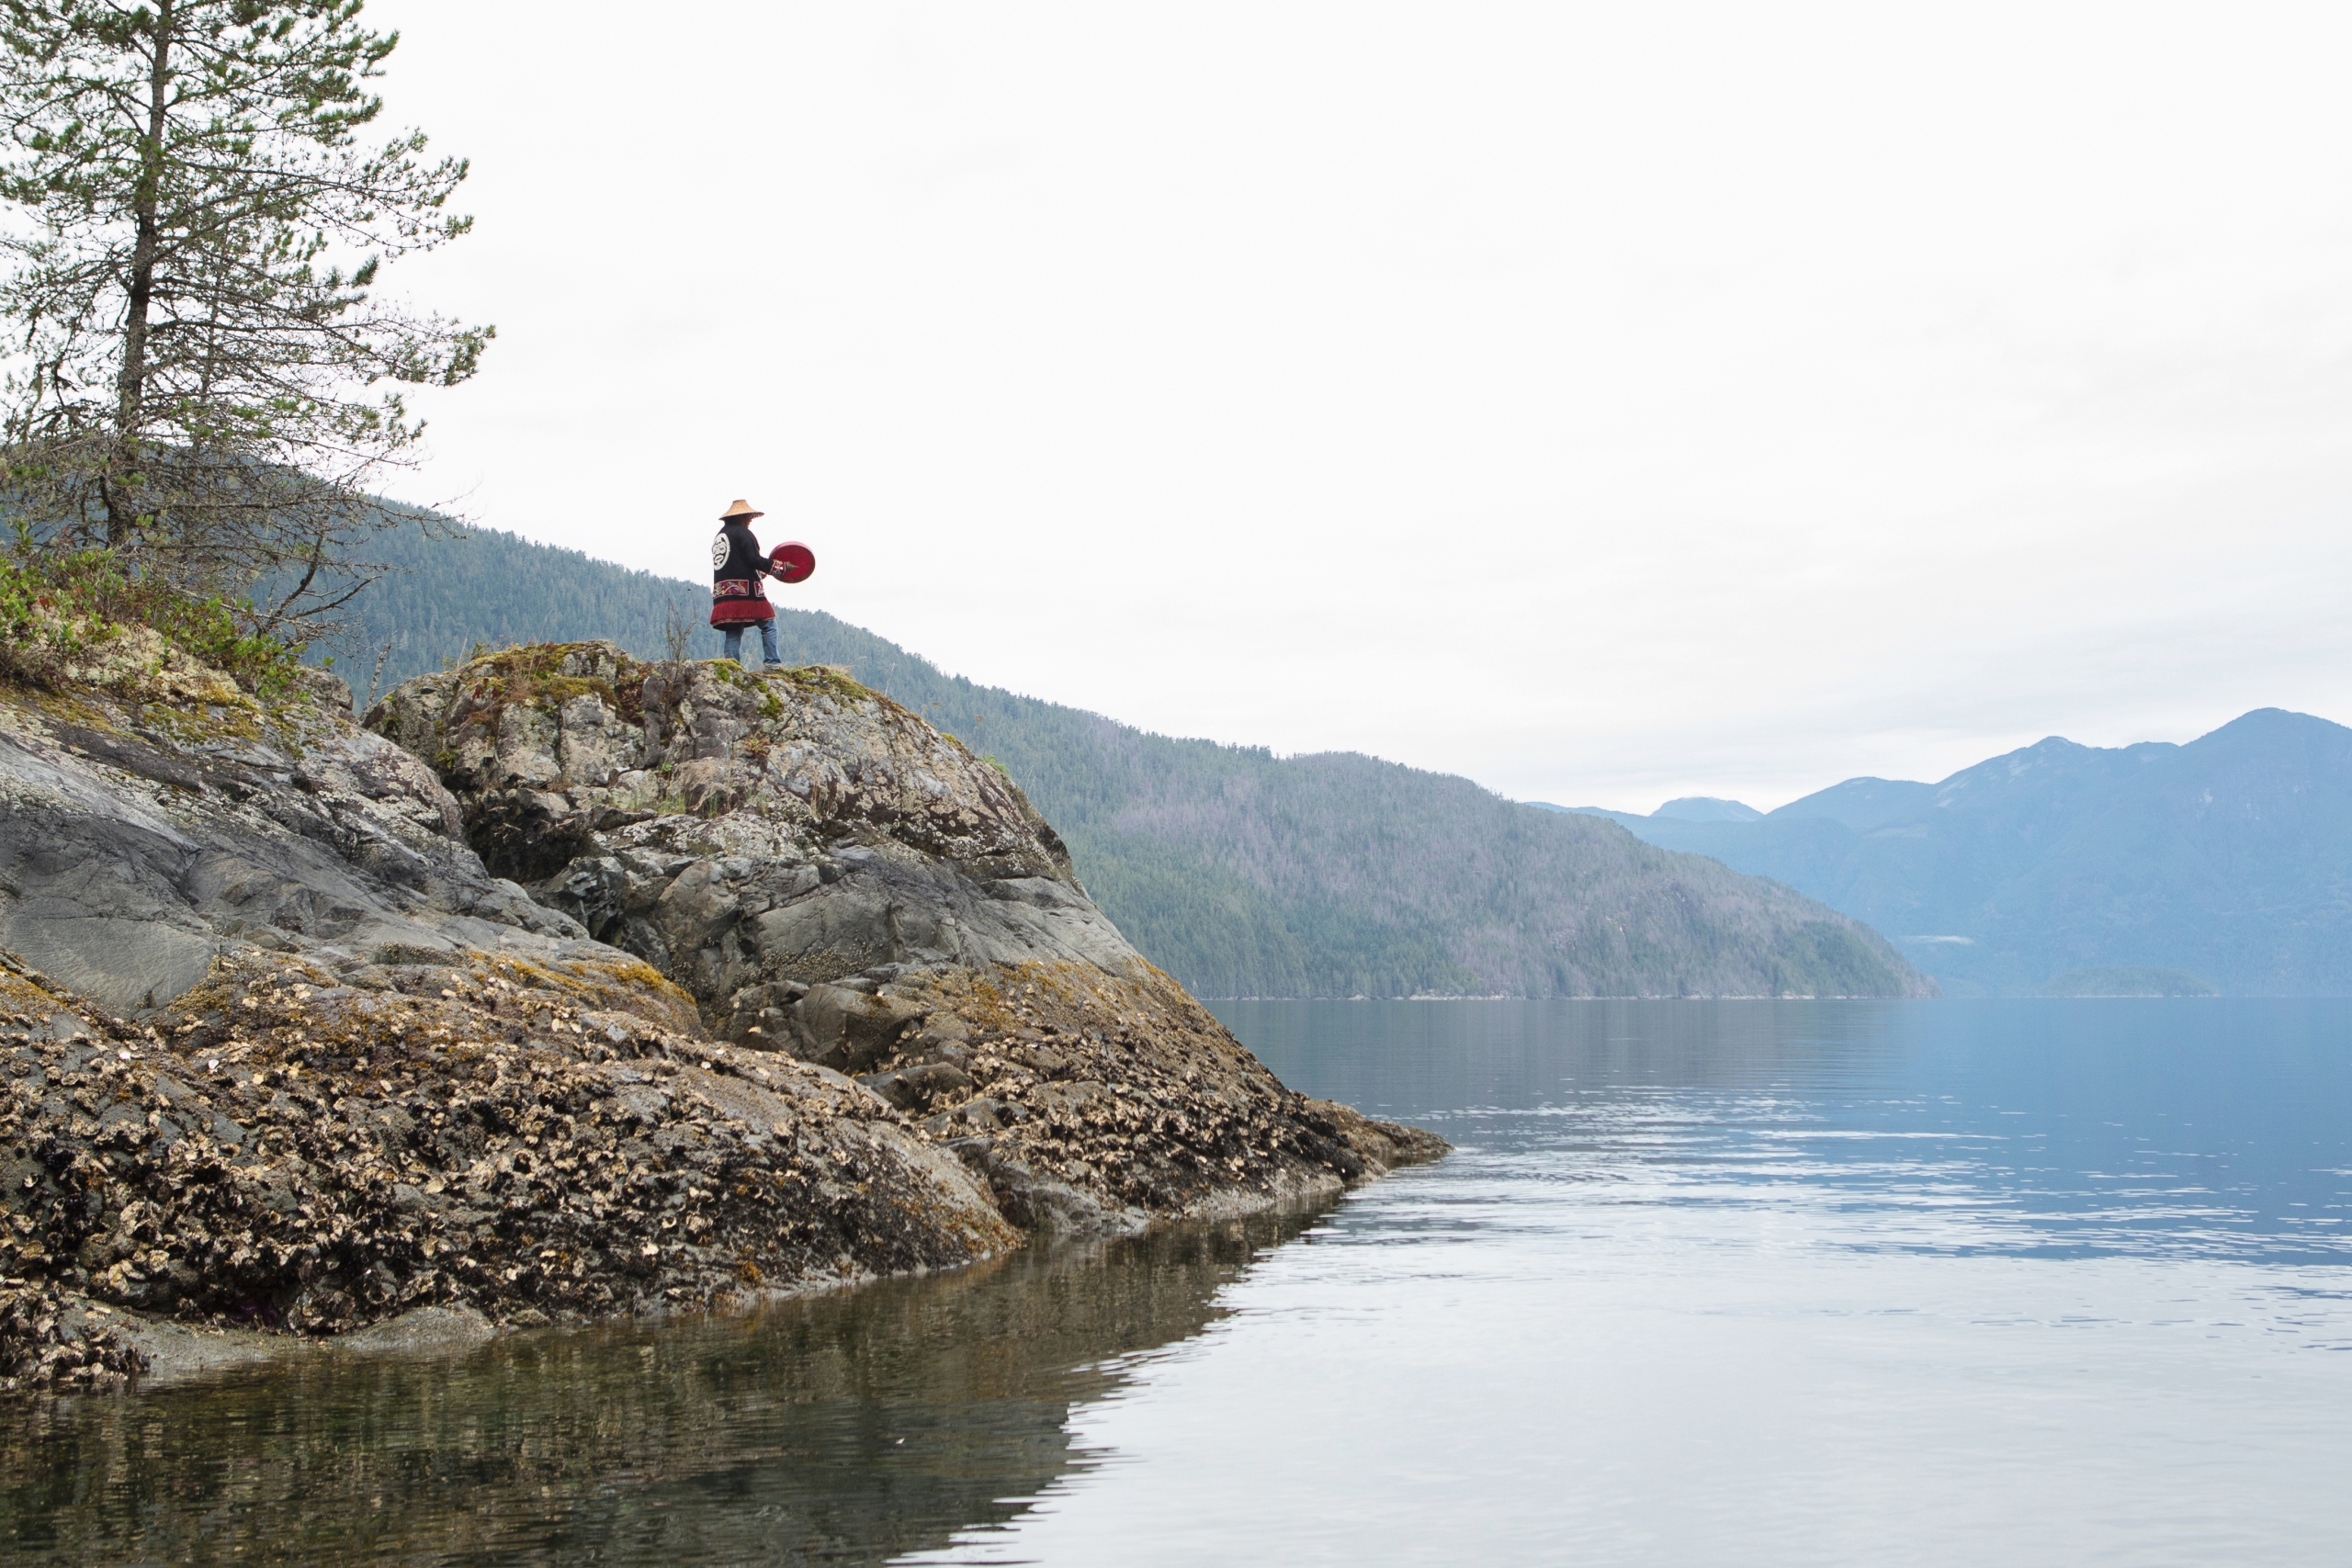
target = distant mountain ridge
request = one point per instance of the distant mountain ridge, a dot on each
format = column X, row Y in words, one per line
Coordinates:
column 1688, row 808
column 2111, row 982
column 2229, row 858
column 1240, row 872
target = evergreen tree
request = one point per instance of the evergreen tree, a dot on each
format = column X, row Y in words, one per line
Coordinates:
column 205, row 378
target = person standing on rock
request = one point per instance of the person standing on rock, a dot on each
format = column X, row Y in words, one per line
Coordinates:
column 738, row 597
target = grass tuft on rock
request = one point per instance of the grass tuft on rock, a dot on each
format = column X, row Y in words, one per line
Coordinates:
column 81, row 617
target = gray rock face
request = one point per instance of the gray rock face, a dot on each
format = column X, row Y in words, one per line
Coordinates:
column 750, row 838
column 830, row 876
column 140, row 839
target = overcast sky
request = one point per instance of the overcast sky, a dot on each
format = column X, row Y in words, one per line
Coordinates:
column 1606, row 401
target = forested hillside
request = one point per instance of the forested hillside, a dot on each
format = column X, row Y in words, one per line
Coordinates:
column 1240, row 872
column 446, row 594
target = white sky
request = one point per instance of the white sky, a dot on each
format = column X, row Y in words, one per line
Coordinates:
column 1606, row 401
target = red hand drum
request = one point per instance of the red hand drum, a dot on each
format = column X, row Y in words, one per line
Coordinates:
column 793, row 562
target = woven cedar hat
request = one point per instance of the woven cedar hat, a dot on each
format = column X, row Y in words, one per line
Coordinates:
column 740, row 509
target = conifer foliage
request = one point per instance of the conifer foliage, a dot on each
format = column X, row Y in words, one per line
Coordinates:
column 203, row 373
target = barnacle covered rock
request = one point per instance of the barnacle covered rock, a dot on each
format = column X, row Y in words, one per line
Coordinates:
column 284, row 1149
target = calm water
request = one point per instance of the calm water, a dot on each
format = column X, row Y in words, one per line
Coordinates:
column 1751, row 1283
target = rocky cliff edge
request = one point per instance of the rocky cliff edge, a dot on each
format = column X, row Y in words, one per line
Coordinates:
column 798, row 991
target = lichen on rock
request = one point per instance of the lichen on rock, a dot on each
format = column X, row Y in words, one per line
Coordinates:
column 688, row 811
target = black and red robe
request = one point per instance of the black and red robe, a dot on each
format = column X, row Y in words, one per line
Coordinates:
column 738, row 593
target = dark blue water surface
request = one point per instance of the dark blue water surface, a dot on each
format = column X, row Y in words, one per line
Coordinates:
column 2205, row 1128
column 1752, row 1284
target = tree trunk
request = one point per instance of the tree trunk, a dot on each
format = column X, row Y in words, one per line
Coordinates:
column 130, row 388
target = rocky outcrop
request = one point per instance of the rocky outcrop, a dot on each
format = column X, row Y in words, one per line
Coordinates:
column 286, row 1053
column 833, row 879
column 799, row 991
column 751, row 837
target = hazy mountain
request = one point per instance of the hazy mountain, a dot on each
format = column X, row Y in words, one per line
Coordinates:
column 2229, row 858
column 1240, row 872
column 2114, row 982
column 1708, row 808
column 1688, row 808
column 1861, row 804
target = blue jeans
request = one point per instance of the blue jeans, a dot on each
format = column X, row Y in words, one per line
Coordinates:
column 734, row 635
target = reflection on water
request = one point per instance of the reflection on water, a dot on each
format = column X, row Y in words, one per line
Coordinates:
column 2037, row 1284
column 843, row 1428
column 1754, row 1284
